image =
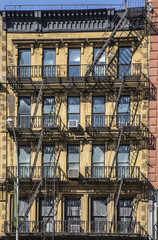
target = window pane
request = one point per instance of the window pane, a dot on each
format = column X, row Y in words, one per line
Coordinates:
column 48, row 154
column 24, row 154
column 73, row 207
column 49, row 56
column 98, row 104
column 24, row 105
column 124, row 55
column 73, row 104
column 46, row 207
column 98, row 154
column 74, row 56
column 74, row 117
column 73, row 154
column 24, row 57
column 48, row 105
column 102, row 58
column 99, row 207
column 23, row 205
column 123, row 155
column 124, row 104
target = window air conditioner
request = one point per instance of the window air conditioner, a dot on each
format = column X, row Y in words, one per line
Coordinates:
column 73, row 124
column 73, row 173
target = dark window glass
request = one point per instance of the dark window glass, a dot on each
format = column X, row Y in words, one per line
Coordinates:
column 49, row 111
column 74, row 108
column 125, row 216
column 98, row 159
column 99, row 215
column 73, row 157
column 98, row 118
column 74, row 62
column 99, row 69
column 48, row 161
column 124, row 61
column 24, row 112
column 72, row 214
column 46, row 214
column 24, row 161
column 123, row 113
column 24, row 62
column 123, row 155
column 49, row 62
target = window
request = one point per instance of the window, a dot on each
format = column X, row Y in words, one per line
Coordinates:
column 123, row 169
column 99, row 69
column 48, row 161
column 123, row 113
column 124, row 61
column 24, row 112
column 98, row 161
column 73, row 157
column 23, row 206
column 24, row 161
column 24, row 62
column 72, row 214
column 99, row 215
column 49, row 111
column 74, row 108
column 98, row 118
column 125, row 216
column 74, row 62
column 46, row 214
column 49, row 62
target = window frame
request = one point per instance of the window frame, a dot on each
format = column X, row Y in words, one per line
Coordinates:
column 75, row 113
column 73, row 145
column 73, row 65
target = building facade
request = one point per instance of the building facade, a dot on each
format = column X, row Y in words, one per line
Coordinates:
column 75, row 101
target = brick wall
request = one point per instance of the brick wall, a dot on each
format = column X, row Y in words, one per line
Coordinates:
column 153, row 106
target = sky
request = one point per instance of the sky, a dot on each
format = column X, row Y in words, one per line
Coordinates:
column 29, row 2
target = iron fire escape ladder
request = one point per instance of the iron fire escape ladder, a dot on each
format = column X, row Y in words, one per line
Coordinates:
column 118, row 144
column 38, row 101
column 107, row 42
column 116, row 203
column 37, row 152
column 117, row 101
column 31, row 202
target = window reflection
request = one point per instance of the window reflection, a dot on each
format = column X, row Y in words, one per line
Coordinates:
column 74, row 62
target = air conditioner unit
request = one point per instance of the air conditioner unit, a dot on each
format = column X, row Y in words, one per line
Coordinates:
column 73, row 173
column 73, row 124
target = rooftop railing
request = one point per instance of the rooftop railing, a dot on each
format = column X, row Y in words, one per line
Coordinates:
column 53, row 72
column 74, row 227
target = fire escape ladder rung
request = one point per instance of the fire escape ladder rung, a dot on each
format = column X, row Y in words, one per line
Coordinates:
column 117, row 101
column 32, row 201
column 118, row 144
column 116, row 203
column 106, row 43
column 38, row 101
column 37, row 152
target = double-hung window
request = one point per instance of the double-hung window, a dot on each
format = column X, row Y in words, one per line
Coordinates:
column 74, row 68
column 24, row 226
column 98, row 118
column 125, row 216
column 46, row 214
column 98, row 161
column 24, row 111
column 99, row 215
column 49, row 62
column 99, row 68
column 73, row 158
column 123, row 112
column 24, row 161
column 72, row 214
column 49, row 111
column 123, row 169
column 73, row 110
column 124, row 62
column 48, row 161
column 24, row 62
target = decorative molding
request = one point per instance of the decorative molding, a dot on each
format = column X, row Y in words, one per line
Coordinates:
column 68, row 21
